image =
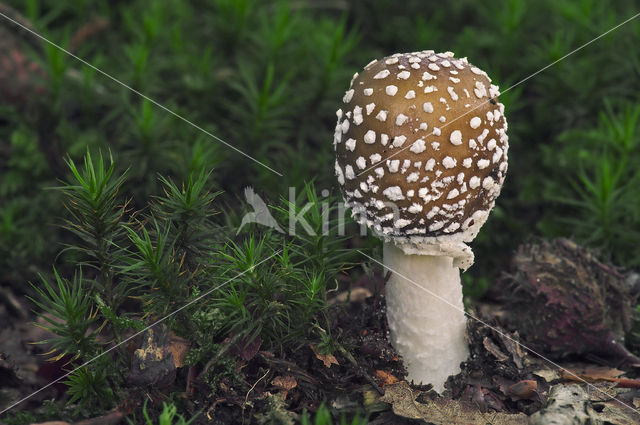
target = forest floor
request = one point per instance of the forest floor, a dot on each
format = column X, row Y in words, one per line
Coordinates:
column 503, row 382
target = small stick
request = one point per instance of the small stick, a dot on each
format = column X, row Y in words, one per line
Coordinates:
column 359, row 368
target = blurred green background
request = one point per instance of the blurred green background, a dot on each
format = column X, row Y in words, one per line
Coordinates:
column 267, row 77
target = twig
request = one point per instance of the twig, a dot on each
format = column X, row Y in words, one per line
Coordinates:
column 219, row 354
column 359, row 368
column 246, row 398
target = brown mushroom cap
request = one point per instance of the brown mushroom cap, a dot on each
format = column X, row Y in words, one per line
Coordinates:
column 421, row 134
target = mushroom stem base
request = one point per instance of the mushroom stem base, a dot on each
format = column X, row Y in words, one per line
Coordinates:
column 426, row 315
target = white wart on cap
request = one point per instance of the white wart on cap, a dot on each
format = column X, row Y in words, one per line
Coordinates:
column 422, row 134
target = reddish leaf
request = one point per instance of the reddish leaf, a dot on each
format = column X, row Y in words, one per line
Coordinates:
column 600, row 373
column 247, row 348
column 327, row 359
column 385, row 378
column 179, row 348
column 285, row 383
column 526, row 389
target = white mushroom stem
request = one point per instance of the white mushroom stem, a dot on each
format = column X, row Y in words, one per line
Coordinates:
column 426, row 315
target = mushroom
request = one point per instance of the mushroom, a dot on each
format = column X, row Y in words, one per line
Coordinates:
column 421, row 154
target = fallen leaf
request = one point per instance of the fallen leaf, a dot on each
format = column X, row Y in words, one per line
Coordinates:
column 327, row 359
column 356, row 295
column 385, row 378
column 548, row 375
column 603, row 391
column 286, row 382
column 247, row 348
column 526, row 389
column 625, row 382
column 514, row 348
column 596, row 372
column 614, row 413
column 475, row 395
column 179, row 348
column 442, row 411
column 491, row 347
column 599, row 373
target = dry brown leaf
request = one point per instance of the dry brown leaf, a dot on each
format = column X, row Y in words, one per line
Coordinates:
column 356, row 295
column 179, row 348
column 247, row 348
column 548, row 375
column 518, row 355
column 385, row 378
column 442, row 411
column 603, row 391
column 614, row 413
column 526, row 389
column 625, row 382
column 327, row 359
column 599, row 373
column 491, row 347
column 286, row 382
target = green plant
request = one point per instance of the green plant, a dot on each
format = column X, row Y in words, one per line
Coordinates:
column 268, row 300
column 599, row 165
column 169, row 246
column 170, row 254
column 168, row 416
column 323, row 417
column 152, row 265
column 317, row 224
column 25, row 233
column 96, row 215
column 278, row 300
column 50, row 409
column 89, row 388
column 189, row 212
column 68, row 312
column 264, row 104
